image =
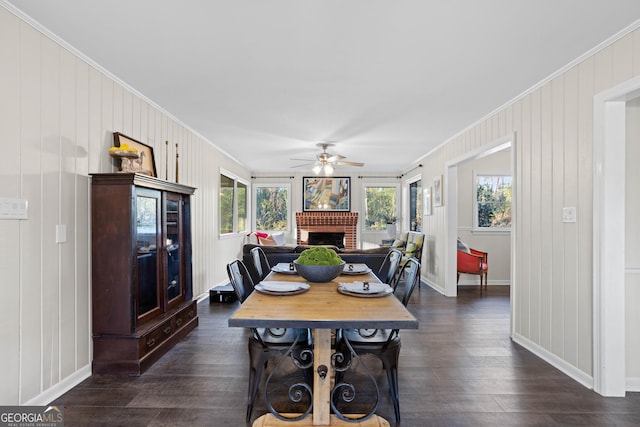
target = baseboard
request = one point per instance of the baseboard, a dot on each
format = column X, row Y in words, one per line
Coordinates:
column 560, row 364
column 471, row 282
column 432, row 285
column 202, row 297
column 633, row 384
column 52, row 393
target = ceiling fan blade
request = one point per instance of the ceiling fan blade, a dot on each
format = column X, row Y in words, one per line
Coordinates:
column 349, row 164
column 334, row 158
column 304, row 160
column 304, row 164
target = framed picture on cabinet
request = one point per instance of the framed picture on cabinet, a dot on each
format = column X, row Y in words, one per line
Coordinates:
column 145, row 163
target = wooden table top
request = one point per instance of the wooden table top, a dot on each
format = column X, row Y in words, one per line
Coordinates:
column 323, row 307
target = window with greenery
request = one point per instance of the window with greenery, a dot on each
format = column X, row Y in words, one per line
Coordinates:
column 493, row 202
column 272, row 207
column 226, row 204
column 241, row 189
column 233, row 204
column 415, row 206
column 380, row 206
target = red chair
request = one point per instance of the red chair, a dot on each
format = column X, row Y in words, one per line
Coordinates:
column 474, row 262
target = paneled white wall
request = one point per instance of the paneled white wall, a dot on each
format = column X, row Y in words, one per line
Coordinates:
column 57, row 115
column 553, row 124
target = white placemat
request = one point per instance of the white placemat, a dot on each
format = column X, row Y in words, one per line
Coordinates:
column 358, row 288
column 276, row 286
column 283, row 267
column 356, row 269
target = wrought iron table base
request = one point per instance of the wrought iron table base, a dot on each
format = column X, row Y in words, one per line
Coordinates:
column 321, row 393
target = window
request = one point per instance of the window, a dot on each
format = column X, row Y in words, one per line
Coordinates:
column 415, row 206
column 241, row 190
column 272, row 207
column 380, row 206
column 233, row 204
column 493, row 202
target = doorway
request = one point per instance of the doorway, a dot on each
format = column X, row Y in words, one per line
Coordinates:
column 451, row 226
column 609, row 232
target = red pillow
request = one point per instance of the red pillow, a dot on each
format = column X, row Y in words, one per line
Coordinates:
column 267, row 241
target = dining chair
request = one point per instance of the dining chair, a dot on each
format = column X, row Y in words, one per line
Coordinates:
column 382, row 343
column 264, row 343
column 260, row 262
column 389, row 267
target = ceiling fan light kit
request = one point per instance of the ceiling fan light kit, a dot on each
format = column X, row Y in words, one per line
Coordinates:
column 328, row 169
column 326, row 161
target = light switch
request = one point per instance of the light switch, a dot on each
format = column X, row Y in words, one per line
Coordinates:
column 61, row 233
column 569, row 214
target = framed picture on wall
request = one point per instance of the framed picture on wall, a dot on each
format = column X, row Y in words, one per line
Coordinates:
column 326, row 194
column 437, row 191
column 427, row 201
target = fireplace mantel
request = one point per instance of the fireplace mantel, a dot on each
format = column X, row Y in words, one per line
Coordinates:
column 328, row 222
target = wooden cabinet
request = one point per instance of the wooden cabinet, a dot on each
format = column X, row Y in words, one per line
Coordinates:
column 142, row 297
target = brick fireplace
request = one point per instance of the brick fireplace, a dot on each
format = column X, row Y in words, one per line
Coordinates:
column 328, row 222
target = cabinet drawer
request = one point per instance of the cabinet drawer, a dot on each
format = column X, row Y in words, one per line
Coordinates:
column 185, row 315
column 156, row 336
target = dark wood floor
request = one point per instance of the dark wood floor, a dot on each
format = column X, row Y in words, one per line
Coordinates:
column 459, row 369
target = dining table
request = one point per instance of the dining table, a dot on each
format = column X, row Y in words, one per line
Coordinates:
column 323, row 308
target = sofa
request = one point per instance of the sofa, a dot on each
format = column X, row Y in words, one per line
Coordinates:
column 410, row 243
column 275, row 254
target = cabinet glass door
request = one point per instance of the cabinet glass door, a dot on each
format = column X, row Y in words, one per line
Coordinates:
column 147, row 235
column 174, row 249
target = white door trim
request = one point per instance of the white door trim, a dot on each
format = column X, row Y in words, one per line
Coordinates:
column 609, row 369
column 451, row 219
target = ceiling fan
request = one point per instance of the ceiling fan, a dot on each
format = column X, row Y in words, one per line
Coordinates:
column 326, row 160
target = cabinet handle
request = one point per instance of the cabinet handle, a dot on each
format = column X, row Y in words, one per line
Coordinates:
column 191, row 313
column 178, row 322
column 167, row 330
column 151, row 342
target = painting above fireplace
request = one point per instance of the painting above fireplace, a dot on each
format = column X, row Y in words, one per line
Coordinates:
column 326, row 194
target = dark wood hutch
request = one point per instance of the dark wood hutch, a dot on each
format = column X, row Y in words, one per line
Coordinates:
column 142, row 296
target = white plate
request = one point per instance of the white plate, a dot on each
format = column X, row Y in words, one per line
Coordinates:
column 283, row 268
column 358, row 288
column 281, row 287
column 356, row 269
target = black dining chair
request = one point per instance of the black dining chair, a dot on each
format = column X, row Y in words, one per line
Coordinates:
column 382, row 343
column 389, row 267
column 264, row 343
column 260, row 262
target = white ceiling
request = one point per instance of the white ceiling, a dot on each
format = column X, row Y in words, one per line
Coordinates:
column 386, row 80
